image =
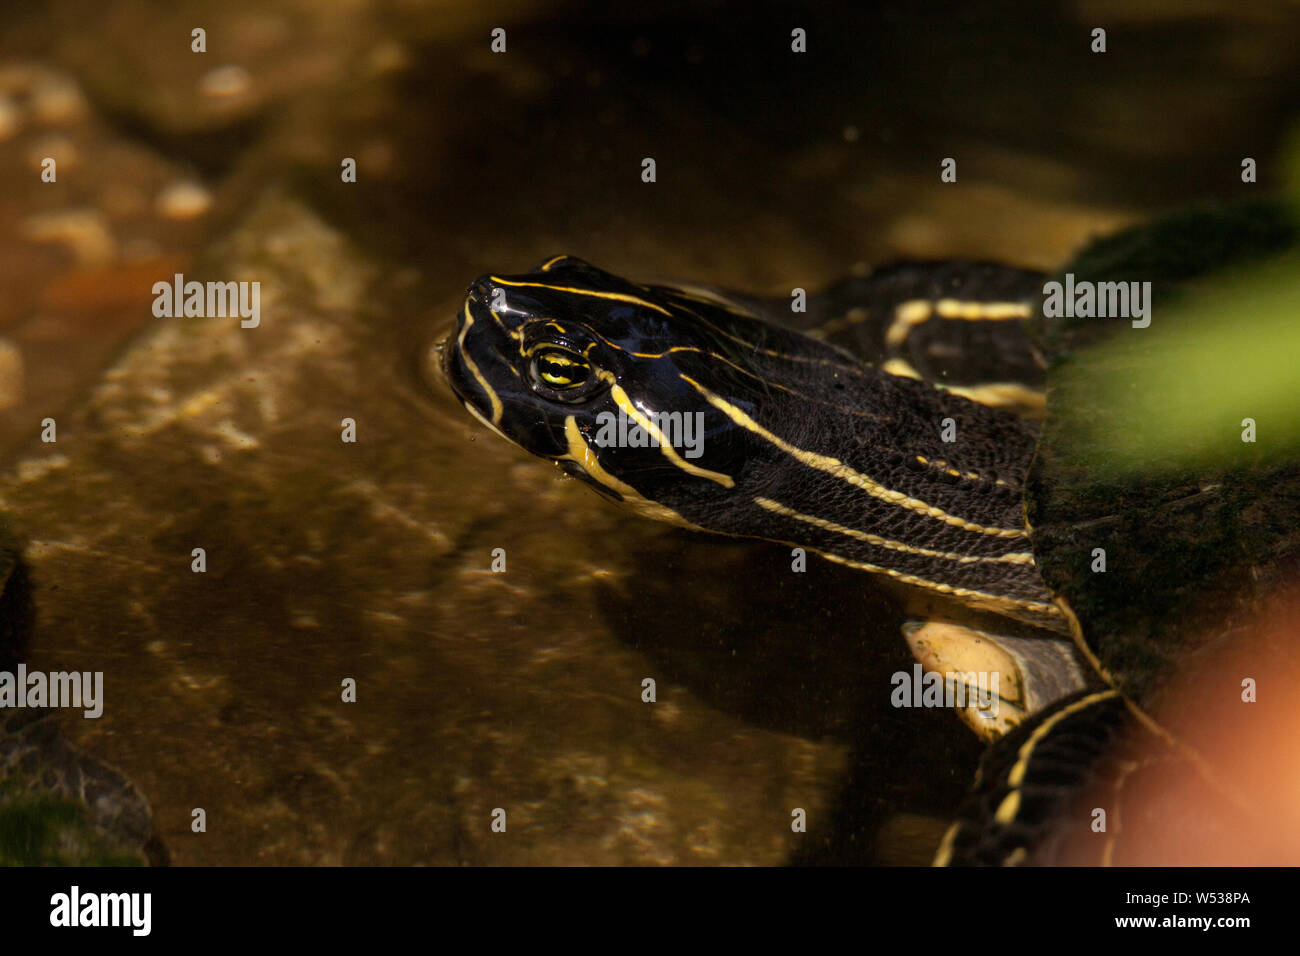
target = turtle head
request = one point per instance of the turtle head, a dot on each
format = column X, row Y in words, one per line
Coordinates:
column 690, row 409
column 615, row 382
column 526, row 352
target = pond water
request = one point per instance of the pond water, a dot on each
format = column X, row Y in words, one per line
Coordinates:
column 330, row 562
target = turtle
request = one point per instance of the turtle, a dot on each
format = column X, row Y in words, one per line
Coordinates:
column 58, row 805
column 901, row 425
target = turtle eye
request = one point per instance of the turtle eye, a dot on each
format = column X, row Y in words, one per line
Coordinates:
column 560, row 369
column 561, row 374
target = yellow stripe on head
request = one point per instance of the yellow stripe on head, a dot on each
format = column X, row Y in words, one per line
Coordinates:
column 615, row 296
column 581, row 453
column 473, row 369
column 669, row 452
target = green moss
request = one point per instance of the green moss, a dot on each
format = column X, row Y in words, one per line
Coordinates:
column 1178, row 395
column 1219, row 355
column 39, row 829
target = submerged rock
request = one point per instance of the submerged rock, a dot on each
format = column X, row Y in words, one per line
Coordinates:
column 325, row 561
column 57, row 805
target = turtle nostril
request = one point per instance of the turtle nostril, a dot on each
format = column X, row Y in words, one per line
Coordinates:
column 484, row 290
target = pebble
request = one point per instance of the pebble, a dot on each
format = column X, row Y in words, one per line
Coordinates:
column 184, row 199
column 85, row 230
column 56, row 99
column 225, row 82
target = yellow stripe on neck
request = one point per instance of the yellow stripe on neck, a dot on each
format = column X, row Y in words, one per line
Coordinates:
column 837, row 468
column 1018, row 557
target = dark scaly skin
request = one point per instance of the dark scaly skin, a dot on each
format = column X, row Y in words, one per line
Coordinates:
column 790, row 421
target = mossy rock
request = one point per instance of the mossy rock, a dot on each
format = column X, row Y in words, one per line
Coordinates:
column 58, row 807
column 1185, row 541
